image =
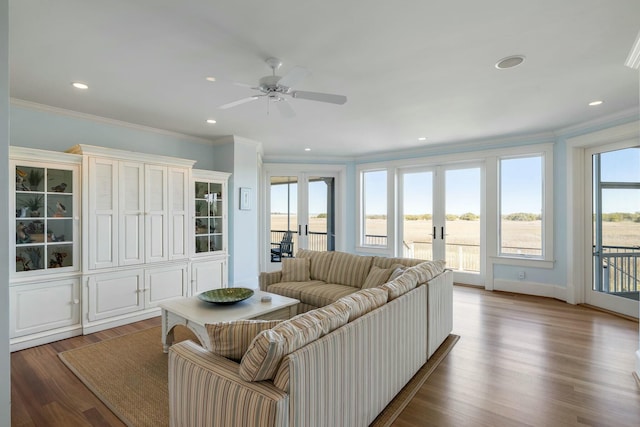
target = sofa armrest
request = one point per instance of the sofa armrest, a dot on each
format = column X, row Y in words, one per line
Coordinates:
column 268, row 279
column 206, row 390
column 440, row 310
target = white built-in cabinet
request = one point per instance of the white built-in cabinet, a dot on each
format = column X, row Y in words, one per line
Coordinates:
column 209, row 267
column 44, row 247
column 103, row 236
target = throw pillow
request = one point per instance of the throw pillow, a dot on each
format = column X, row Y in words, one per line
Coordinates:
column 376, row 277
column 397, row 270
column 364, row 301
column 232, row 339
column 264, row 355
column 295, row 270
column 401, row 285
column 427, row 270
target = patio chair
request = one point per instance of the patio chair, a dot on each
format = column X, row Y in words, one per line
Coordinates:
column 283, row 248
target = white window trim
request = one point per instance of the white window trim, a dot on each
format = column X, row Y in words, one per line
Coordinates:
column 547, row 258
column 490, row 158
column 360, row 229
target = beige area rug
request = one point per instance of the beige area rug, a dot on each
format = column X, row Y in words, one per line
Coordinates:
column 129, row 375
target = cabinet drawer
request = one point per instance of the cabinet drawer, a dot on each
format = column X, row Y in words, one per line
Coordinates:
column 44, row 306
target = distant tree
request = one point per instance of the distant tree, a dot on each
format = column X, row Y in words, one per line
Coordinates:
column 322, row 215
column 469, row 216
column 522, row 216
column 451, row 217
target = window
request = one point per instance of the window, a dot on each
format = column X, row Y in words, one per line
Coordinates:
column 374, row 208
column 521, row 206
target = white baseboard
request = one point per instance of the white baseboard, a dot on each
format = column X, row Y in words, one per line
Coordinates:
column 20, row 343
column 531, row 288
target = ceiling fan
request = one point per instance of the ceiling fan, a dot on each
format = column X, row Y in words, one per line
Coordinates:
column 276, row 89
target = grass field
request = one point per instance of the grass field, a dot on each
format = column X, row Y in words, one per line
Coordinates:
column 463, row 237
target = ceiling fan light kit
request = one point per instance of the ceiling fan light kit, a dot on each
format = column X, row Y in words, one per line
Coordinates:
column 274, row 87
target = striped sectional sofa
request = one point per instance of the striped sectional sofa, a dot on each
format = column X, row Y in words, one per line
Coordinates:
column 335, row 364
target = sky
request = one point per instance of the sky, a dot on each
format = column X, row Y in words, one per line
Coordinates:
column 521, row 188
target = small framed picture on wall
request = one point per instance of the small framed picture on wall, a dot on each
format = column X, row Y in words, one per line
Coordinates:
column 245, row 198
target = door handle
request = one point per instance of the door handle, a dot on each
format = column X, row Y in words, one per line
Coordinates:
column 306, row 229
column 442, row 233
column 299, row 229
column 434, row 233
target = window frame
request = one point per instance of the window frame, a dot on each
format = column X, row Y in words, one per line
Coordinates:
column 546, row 260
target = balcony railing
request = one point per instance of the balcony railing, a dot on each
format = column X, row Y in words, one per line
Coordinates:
column 620, row 267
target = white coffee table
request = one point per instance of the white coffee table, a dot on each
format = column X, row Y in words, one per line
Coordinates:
column 194, row 314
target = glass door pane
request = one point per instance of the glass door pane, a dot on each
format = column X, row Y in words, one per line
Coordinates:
column 320, row 228
column 283, row 216
column 417, row 221
column 462, row 219
column 616, row 230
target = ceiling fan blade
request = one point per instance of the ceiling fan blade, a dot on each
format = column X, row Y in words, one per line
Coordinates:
column 293, row 77
column 322, row 97
column 238, row 102
column 285, row 109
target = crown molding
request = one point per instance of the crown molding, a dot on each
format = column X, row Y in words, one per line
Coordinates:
column 459, row 147
column 104, row 120
column 629, row 114
column 633, row 60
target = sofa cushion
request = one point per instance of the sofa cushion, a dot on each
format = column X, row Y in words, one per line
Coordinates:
column 349, row 269
column 364, row 301
column 326, row 293
column 401, row 285
column 384, row 262
column 291, row 289
column 319, row 263
column 427, row 270
column 266, row 351
column 231, row 339
column 295, row 270
column 397, row 270
column 376, row 277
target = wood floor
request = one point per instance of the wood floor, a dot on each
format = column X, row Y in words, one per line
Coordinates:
column 521, row 361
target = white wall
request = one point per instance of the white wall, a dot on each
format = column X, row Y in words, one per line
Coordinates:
column 58, row 130
column 239, row 156
column 5, row 382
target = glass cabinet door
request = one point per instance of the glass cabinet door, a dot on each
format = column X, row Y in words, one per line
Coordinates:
column 43, row 218
column 209, row 224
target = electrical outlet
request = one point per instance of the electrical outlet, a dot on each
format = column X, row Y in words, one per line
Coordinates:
column 521, row 275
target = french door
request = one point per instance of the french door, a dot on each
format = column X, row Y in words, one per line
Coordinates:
column 614, row 226
column 440, row 218
column 305, row 206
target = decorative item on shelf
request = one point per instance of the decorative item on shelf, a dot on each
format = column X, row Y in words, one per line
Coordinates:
column 60, row 187
column 54, row 238
column 60, row 210
column 34, row 204
column 22, row 212
column 20, row 176
column 21, row 234
column 26, row 263
column 35, row 178
column 200, row 208
column 35, row 255
column 57, row 260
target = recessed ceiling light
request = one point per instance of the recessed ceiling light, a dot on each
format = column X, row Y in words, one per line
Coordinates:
column 307, row 149
column 79, row 85
column 422, row 138
column 211, row 121
column 211, row 79
column 595, row 103
column 509, row 62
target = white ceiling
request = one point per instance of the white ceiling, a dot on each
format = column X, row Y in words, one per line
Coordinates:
column 409, row 68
